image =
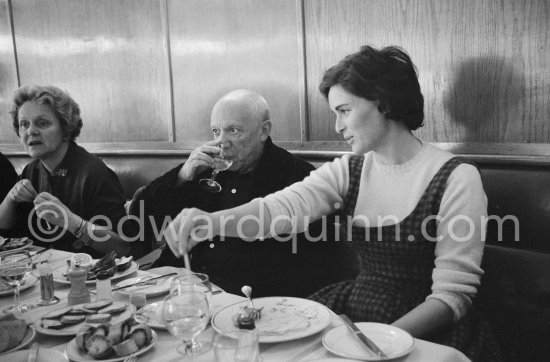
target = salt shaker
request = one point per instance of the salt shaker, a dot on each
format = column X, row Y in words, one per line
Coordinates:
column 103, row 285
column 47, row 296
column 78, row 293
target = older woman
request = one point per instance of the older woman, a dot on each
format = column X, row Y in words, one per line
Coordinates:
column 75, row 200
column 413, row 212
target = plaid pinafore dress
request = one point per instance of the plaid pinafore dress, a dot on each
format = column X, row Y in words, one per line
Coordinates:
column 397, row 262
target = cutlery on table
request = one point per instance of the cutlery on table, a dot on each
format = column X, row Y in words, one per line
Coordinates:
column 255, row 312
column 144, row 281
column 366, row 341
column 33, row 353
column 130, row 358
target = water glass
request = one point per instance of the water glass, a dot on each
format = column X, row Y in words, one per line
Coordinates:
column 237, row 346
column 185, row 316
column 192, row 282
column 14, row 267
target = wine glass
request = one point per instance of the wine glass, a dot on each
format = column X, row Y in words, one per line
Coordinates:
column 14, row 267
column 197, row 282
column 219, row 164
column 185, row 316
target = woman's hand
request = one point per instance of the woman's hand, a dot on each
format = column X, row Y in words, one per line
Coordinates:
column 52, row 210
column 22, row 191
column 190, row 227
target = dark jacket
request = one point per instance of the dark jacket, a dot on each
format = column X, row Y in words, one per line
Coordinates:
column 269, row 266
column 85, row 185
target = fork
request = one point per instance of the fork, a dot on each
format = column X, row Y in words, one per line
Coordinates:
column 130, row 358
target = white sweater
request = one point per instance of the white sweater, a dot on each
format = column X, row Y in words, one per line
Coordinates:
column 388, row 194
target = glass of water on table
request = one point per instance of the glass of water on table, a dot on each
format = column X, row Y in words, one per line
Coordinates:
column 14, row 267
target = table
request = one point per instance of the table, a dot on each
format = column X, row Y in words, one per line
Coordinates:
column 305, row 349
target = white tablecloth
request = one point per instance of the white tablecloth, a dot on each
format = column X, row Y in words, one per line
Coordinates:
column 305, row 349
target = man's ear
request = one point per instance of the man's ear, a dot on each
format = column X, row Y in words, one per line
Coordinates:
column 265, row 130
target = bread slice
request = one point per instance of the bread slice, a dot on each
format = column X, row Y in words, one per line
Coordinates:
column 98, row 318
column 72, row 319
column 57, row 313
column 12, row 333
column 114, row 308
column 125, row 348
column 80, row 311
column 99, row 346
column 98, row 304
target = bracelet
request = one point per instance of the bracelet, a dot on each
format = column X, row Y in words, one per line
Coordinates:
column 81, row 229
column 77, row 229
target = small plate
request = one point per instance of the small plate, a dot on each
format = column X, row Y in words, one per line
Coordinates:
column 283, row 318
column 72, row 329
column 75, row 354
column 60, row 277
column 158, row 287
column 28, row 242
column 29, row 281
column 29, row 336
column 393, row 341
column 151, row 315
column 44, row 355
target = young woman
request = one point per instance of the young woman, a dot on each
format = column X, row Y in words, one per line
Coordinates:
column 414, row 213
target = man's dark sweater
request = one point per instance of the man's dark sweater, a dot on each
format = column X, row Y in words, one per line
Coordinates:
column 269, row 266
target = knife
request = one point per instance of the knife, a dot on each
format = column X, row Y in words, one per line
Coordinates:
column 145, row 281
column 362, row 337
column 33, row 353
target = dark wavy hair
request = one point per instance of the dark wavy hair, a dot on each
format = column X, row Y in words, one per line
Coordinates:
column 61, row 103
column 386, row 76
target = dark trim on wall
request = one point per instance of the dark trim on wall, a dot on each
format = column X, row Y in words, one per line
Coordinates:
column 486, row 153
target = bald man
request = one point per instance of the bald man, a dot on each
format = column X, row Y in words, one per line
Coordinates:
column 240, row 125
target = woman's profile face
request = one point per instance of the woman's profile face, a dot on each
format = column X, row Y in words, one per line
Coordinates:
column 40, row 130
column 363, row 127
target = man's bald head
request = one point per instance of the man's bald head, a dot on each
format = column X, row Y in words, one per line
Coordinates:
column 241, row 122
column 249, row 103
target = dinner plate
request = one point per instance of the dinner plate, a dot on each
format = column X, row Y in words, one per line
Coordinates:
column 283, row 318
column 29, row 281
column 151, row 315
column 75, row 354
column 158, row 287
column 60, row 277
column 44, row 355
column 29, row 336
column 393, row 341
column 28, row 243
column 72, row 329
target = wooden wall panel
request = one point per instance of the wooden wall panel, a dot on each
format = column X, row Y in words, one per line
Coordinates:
column 108, row 54
column 8, row 75
column 218, row 46
column 484, row 64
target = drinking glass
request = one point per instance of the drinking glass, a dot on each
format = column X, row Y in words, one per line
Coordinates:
column 219, row 164
column 14, row 267
column 237, row 346
column 185, row 316
column 197, row 282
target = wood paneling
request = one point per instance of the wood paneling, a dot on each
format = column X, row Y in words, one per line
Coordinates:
column 108, row 55
column 218, row 46
column 8, row 75
column 484, row 65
